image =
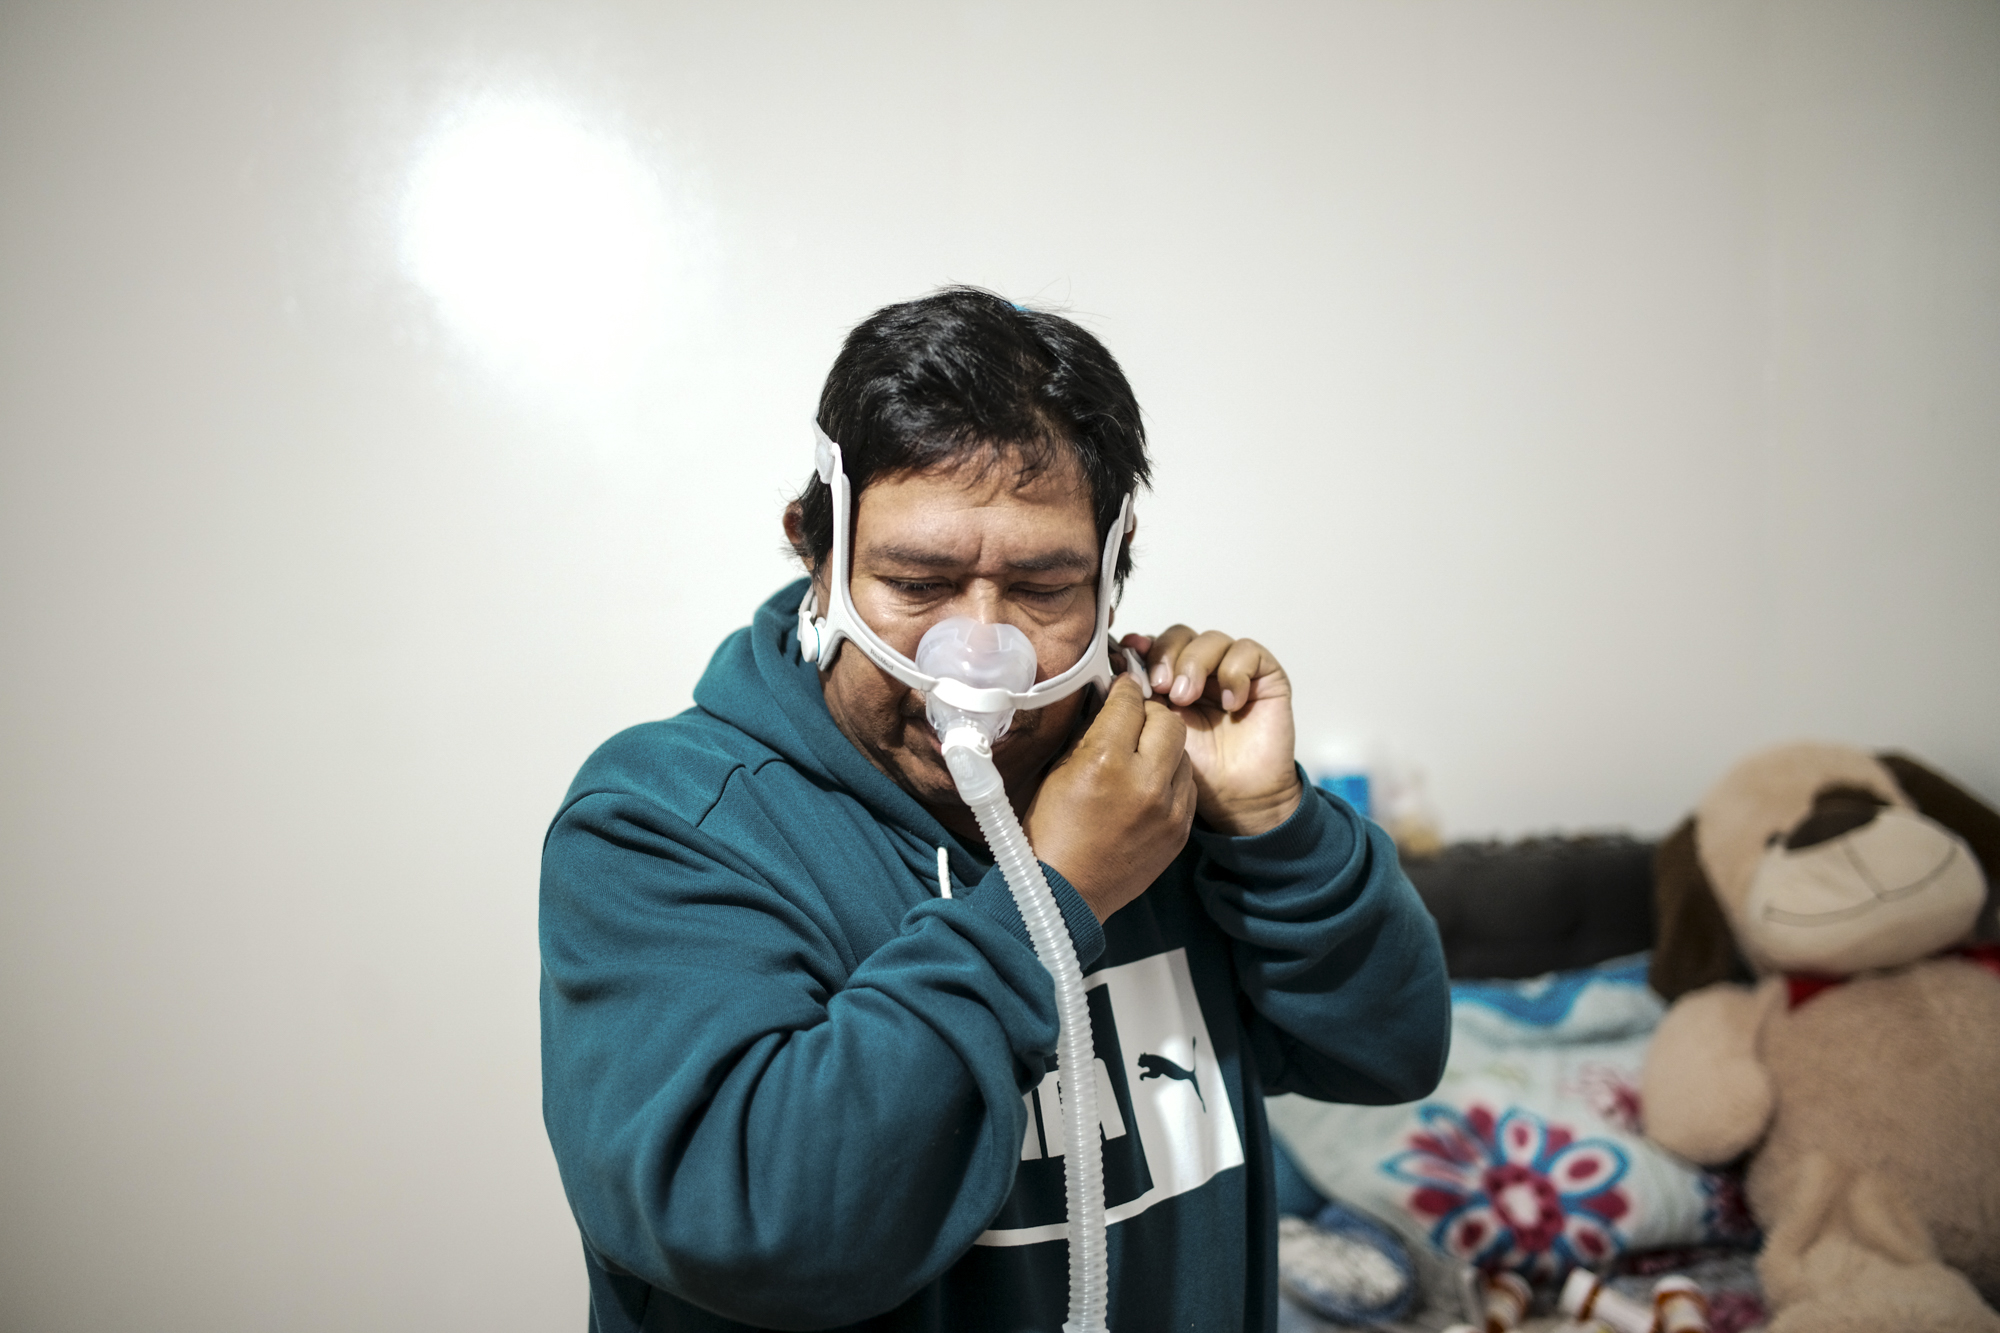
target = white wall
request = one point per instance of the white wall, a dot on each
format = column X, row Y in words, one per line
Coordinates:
column 1575, row 395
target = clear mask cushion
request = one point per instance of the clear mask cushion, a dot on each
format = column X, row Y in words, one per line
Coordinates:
column 979, row 655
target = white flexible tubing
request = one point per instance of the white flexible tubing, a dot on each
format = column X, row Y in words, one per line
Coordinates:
column 971, row 762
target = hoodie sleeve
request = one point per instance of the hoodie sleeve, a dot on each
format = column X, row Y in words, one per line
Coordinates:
column 748, row 1117
column 1338, row 960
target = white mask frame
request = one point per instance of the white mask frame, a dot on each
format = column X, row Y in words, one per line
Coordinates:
column 820, row 635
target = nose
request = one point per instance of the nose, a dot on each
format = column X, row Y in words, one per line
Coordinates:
column 982, row 603
column 1835, row 811
column 986, row 605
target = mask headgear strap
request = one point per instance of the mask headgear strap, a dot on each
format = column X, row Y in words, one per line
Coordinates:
column 820, row 635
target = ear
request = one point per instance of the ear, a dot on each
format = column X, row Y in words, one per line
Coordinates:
column 1939, row 798
column 1692, row 943
column 795, row 534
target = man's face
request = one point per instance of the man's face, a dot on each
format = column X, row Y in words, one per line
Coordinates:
column 966, row 540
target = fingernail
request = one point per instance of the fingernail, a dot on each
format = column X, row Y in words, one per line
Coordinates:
column 1161, row 675
column 1229, row 701
column 1181, row 687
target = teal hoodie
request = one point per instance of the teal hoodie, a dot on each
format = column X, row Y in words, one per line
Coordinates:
column 792, row 1085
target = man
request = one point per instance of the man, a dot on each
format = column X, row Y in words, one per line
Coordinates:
column 796, row 1047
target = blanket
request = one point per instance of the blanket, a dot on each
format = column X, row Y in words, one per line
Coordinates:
column 1529, row 1156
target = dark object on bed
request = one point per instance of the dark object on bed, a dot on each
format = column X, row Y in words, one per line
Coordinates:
column 1519, row 909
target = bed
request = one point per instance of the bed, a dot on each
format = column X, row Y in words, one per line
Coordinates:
column 1529, row 1158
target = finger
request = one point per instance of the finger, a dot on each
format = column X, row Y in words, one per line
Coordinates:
column 1122, row 718
column 1236, row 675
column 1164, row 741
column 1193, row 665
column 1138, row 643
column 1161, row 655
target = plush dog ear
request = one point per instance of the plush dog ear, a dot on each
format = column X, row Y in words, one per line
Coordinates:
column 1692, row 943
column 1938, row 798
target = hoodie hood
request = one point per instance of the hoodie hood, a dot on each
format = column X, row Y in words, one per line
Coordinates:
column 758, row 683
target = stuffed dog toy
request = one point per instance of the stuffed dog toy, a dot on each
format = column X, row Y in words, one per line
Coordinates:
column 1824, row 929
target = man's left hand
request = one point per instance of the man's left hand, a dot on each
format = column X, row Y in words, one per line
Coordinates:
column 1237, row 703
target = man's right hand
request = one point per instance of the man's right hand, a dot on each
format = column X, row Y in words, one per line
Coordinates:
column 1115, row 810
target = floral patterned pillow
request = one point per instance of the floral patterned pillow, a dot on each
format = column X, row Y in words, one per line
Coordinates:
column 1529, row 1155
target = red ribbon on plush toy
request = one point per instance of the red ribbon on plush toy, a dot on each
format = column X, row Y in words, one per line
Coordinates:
column 1801, row 986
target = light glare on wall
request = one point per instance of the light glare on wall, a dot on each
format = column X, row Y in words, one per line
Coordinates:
column 544, row 242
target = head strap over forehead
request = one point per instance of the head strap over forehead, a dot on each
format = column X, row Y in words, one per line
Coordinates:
column 820, row 635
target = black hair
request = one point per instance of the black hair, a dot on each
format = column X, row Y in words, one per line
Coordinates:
column 961, row 371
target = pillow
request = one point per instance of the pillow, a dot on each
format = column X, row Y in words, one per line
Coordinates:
column 1520, row 909
column 1529, row 1155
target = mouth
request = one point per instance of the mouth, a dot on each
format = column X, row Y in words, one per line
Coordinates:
column 1834, row 916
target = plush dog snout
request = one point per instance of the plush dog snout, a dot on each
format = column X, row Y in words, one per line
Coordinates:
column 1835, row 811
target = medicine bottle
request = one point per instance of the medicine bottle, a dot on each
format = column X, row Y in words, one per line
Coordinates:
column 1585, row 1298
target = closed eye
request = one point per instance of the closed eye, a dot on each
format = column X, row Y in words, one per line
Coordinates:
column 917, row 587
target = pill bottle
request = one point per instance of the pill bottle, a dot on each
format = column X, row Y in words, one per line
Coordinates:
column 1340, row 765
column 1584, row 1298
column 1679, row 1306
column 1506, row 1297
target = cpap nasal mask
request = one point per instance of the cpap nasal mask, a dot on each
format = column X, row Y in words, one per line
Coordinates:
column 820, row 635
column 973, row 677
